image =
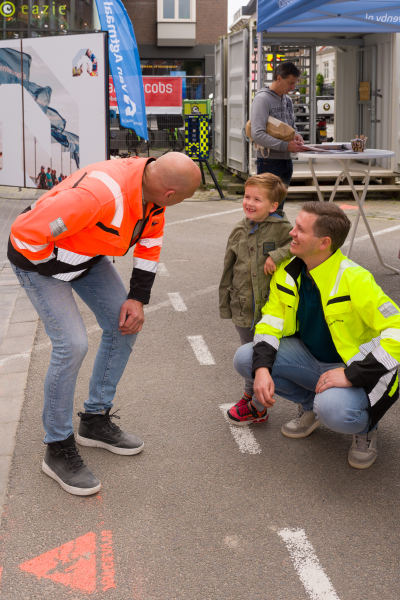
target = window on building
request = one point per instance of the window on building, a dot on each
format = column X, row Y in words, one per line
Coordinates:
column 169, row 9
column 177, row 10
column 326, row 70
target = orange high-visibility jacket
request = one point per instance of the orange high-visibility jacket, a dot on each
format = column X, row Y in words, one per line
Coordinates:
column 97, row 211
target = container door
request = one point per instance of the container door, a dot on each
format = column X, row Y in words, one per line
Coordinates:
column 237, row 73
column 219, row 102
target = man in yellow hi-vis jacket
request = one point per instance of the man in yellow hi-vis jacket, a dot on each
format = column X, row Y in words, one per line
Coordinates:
column 329, row 338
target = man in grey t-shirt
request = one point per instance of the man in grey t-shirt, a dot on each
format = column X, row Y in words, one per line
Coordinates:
column 273, row 101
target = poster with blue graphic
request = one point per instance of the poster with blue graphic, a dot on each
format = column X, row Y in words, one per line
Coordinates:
column 125, row 65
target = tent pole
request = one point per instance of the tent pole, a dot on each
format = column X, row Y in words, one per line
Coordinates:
column 259, row 60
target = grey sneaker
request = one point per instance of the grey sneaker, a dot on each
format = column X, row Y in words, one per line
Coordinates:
column 302, row 426
column 63, row 463
column 98, row 431
column 363, row 451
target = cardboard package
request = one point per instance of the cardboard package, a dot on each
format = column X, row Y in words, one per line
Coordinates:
column 276, row 129
column 364, row 91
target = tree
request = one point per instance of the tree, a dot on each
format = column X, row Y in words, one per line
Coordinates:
column 320, row 84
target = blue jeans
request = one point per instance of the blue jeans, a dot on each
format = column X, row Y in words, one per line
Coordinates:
column 104, row 293
column 280, row 167
column 295, row 374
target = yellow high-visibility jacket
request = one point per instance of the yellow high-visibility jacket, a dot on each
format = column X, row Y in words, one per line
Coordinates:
column 364, row 324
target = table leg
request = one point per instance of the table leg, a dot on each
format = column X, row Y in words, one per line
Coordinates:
column 339, row 180
column 361, row 211
column 364, row 194
column 315, row 180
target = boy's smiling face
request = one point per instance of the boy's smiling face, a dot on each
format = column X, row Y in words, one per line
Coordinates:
column 256, row 205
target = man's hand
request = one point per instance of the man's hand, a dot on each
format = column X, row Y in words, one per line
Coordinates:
column 269, row 266
column 295, row 146
column 334, row 378
column 264, row 387
column 298, row 138
column 131, row 317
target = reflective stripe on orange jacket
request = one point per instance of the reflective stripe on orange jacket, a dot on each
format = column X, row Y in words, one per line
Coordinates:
column 97, row 211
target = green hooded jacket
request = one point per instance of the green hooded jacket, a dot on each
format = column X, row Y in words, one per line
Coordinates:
column 244, row 287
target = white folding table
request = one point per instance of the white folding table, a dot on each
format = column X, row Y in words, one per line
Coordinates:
column 345, row 158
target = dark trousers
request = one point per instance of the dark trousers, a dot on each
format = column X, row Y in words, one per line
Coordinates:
column 276, row 166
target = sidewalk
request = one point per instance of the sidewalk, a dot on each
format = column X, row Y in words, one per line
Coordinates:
column 18, row 322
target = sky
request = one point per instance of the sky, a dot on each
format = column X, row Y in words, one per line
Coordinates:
column 233, row 6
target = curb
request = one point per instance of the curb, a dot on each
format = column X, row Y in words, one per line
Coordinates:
column 18, row 323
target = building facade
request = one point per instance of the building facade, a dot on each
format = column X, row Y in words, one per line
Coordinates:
column 177, row 36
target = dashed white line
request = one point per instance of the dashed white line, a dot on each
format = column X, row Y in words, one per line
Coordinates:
column 177, row 302
column 307, row 565
column 162, row 270
column 243, row 435
column 200, row 350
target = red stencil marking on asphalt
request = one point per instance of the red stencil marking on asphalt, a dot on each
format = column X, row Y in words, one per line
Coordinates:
column 107, row 561
column 349, row 207
column 1, row 573
column 73, row 564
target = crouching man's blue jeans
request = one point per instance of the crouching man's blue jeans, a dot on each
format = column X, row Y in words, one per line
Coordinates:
column 104, row 293
column 296, row 373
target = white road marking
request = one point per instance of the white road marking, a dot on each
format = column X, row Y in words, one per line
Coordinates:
column 96, row 328
column 375, row 233
column 225, row 212
column 162, row 270
column 200, row 350
column 243, row 435
column 306, row 563
column 177, row 302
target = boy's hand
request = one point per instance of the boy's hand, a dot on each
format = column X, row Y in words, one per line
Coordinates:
column 264, row 387
column 269, row 266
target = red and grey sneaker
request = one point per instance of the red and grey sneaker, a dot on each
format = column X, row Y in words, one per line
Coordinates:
column 246, row 414
column 243, row 401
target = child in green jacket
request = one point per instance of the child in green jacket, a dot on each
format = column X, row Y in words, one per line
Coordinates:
column 256, row 245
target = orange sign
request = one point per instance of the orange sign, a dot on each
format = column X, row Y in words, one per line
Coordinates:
column 74, row 564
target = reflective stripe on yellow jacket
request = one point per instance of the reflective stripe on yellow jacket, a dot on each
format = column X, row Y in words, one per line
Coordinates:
column 363, row 321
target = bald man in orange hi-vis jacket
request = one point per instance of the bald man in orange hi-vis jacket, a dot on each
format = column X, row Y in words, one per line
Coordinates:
column 61, row 243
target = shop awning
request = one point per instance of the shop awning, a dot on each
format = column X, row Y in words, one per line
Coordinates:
column 319, row 16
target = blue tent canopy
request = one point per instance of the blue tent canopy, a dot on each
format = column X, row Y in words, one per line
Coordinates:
column 319, row 16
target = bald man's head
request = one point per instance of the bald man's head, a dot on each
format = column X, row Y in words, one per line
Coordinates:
column 170, row 179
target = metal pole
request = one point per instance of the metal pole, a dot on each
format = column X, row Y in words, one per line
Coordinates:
column 213, row 121
column 313, row 95
column 259, row 60
column 34, row 141
column 373, row 98
column 23, row 119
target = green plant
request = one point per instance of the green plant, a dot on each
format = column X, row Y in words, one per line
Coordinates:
column 220, row 177
column 320, row 84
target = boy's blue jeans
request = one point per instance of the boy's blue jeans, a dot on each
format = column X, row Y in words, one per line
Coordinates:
column 104, row 293
column 295, row 374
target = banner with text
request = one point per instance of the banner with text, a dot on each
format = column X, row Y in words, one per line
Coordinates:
column 162, row 94
column 125, row 65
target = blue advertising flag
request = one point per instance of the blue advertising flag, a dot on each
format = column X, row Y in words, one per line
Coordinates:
column 125, row 65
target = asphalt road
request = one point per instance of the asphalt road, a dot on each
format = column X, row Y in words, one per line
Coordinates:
column 201, row 515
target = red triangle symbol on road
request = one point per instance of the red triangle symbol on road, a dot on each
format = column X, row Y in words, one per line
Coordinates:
column 73, row 564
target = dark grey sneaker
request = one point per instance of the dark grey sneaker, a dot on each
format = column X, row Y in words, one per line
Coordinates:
column 98, row 431
column 63, row 463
